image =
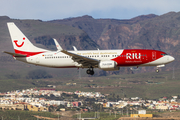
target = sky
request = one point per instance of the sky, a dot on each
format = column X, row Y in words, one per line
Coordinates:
column 60, row 9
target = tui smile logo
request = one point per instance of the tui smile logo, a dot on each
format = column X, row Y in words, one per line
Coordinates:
column 15, row 41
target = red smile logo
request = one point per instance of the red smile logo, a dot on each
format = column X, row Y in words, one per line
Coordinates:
column 15, row 41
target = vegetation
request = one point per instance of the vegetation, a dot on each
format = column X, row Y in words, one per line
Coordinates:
column 147, row 32
column 38, row 74
column 145, row 85
column 99, row 115
column 23, row 115
column 13, row 76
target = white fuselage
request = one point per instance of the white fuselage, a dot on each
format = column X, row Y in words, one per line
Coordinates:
column 58, row 59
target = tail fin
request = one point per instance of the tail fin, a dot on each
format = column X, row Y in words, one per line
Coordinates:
column 21, row 43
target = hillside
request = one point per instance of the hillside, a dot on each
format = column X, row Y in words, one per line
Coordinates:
column 146, row 31
column 41, row 33
column 142, row 32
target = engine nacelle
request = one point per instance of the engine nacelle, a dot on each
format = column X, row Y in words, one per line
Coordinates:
column 108, row 65
column 77, row 64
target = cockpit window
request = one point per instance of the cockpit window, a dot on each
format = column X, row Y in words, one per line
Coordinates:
column 163, row 54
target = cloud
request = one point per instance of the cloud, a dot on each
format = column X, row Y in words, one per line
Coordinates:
column 59, row 9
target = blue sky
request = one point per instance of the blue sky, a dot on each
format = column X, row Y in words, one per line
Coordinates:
column 60, row 9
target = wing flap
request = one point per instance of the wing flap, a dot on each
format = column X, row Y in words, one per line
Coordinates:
column 81, row 59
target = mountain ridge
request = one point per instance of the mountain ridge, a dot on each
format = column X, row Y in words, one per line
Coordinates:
column 141, row 32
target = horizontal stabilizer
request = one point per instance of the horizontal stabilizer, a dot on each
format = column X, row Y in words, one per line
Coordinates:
column 14, row 54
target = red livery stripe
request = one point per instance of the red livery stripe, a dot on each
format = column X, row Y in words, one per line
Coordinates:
column 137, row 57
column 27, row 53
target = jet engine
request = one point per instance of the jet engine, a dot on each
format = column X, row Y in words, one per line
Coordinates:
column 108, row 65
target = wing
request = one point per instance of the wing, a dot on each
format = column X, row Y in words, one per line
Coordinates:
column 81, row 60
column 85, row 61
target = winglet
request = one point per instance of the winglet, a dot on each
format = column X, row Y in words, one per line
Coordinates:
column 75, row 49
column 57, row 44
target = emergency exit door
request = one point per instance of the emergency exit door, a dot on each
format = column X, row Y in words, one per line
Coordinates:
column 153, row 55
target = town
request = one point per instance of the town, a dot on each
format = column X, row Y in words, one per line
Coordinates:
column 50, row 100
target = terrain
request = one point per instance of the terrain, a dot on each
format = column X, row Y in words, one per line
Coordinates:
column 142, row 32
column 145, row 85
column 24, row 115
column 70, row 115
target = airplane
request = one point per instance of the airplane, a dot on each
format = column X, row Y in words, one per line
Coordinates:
column 108, row 60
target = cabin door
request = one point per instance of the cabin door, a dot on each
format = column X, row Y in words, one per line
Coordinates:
column 153, row 55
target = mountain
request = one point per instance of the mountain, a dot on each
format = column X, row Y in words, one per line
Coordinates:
column 145, row 31
column 142, row 32
column 95, row 27
column 41, row 33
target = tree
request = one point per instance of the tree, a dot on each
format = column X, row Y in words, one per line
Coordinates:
column 59, row 107
column 52, row 97
column 13, row 76
column 51, row 108
column 117, row 97
column 75, row 96
column 38, row 74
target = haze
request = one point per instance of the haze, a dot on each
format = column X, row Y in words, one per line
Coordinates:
column 60, row 9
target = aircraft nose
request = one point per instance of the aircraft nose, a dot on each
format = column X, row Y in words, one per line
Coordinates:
column 171, row 58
